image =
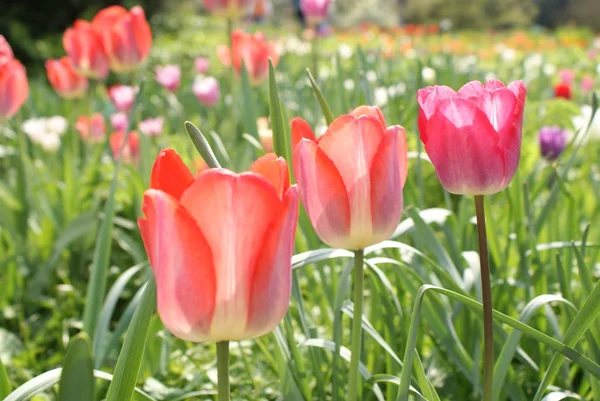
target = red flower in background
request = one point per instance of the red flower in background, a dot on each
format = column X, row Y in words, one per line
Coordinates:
column 14, row 86
column 563, row 90
column 84, row 47
column 64, row 79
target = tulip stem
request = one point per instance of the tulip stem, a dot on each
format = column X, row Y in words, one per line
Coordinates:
column 486, row 295
column 353, row 381
column 223, row 370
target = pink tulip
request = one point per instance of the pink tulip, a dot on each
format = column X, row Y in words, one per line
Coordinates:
column 207, row 90
column 350, row 179
column 131, row 150
column 220, row 245
column 119, row 121
column 64, row 79
column 125, row 36
column 202, row 64
column 151, row 126
column 6, row 53
column 14, row 88
column 122, row 96
column 315, row 11
column 473, row 136
column 587, row 83
column 169, row 76
column 566, row 76
column 251, row 50
column 84, row 47
column 229, row 8
column 91, row 128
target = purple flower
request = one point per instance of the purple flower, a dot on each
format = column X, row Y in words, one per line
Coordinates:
column 552, row 142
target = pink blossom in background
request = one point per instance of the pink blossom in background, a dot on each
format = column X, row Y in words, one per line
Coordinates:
column 131, row 150
column 119, row 121
column 6, row 53
column 202, row 65
column 151, row 126
column 207, row 90
column 91, row 128
column 315, row 11
column 587, row 83
column 566, row 76
column 122, row 96
column 169, row 76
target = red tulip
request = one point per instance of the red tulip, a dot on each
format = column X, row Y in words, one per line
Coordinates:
column 6, row 53
column 473, row 136
column 563, row 90
column 125, row 35
column 84, row 48
column 220, row 245
column 91, row 128
column 229, row 8
column 131, row 150
column 253, row 50
column 14, row 88
column 350, row 179
column 64, row 79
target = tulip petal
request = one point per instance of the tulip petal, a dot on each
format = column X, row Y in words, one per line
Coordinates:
column 493, row 84
column 323, row 193
column 386, row 187
column 402, row 151
column 182, row 264
column 271, row 281
column 470, row 89
column 351, row 143
column 301, row 129
column 464, row 149
column 170, row 174
column 234, row 213
column 275, row 170
column 428, row 98
column 498, row 106
column 369, row 111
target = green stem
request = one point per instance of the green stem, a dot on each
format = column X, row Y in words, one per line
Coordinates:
column 23, row 219
column 486, row 295
column 353, row 381
column 223, row 370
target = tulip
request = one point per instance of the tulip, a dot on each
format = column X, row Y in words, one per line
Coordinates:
column 91, row 128
column 229, row 8
column 131, row 149
column 125, row 35
column 566, row 76
column 220, row 245
column 202, row 64
column 14, row 88
column 151, row 126
column 473, row 136
column 251, row 50
column 563, row 90
column 207, row 90
column 587, row 83
column 169, row 76
column 315, row 11
column 6, row 53
column 122, row 96
column 64, row 79
column 84, row 47
column 350, row 179
column 402, row 147
column 119, row 121
column 552, row 142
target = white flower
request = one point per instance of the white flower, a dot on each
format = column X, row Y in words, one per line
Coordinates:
column 345, row 51
column 34, row 128
column 581, row 122
column 371, row 76
column 349, row 84
column 324, row 72
column 57, row 124
column 549, row 69
column 381, row 96
column 50, row 142
column 428, row 74
column 446, row 24
column 509, row 54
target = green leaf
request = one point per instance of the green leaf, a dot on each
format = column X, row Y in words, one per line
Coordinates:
column 131, row 356
column 249, row 101
column 77, row 377
column 46, row 380
column 201, row 144
column 5, row 387
column 580, row 324
column 319, row 95
column 280, row 139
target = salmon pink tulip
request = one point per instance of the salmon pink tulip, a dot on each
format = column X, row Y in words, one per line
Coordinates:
column 350, row 179
column 131, row 150
column 229, row 8
column 91, row 128
column 64, row 79
column 125, row 35
column 220, row 245
column 84, row 47
column 14, row 87
column 473, row 136
column 251, row 50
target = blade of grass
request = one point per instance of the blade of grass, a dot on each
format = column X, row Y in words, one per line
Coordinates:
column 77, row 377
